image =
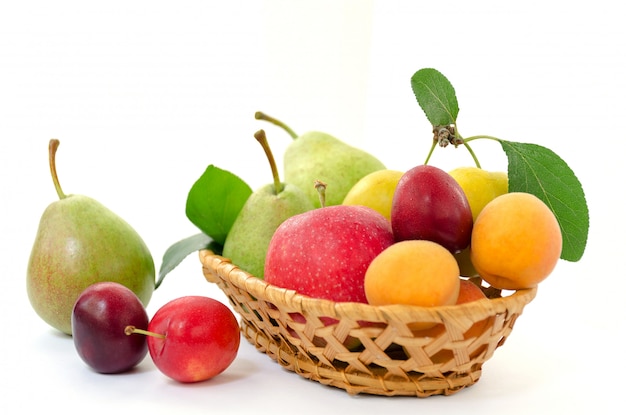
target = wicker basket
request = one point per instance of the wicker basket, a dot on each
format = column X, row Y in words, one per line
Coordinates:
column 369, row 349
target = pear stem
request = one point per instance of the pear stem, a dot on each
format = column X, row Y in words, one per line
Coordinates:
column 52, row 150
column 320, row 186
column 262, row 139
column 134, row 330
column 262, row 116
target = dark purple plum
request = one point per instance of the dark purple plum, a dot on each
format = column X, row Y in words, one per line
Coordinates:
column 429, row 204
column 99, row 319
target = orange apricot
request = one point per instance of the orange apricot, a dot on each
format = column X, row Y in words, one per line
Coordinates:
column 516, row 241
column 469, row 292
column 415, row 272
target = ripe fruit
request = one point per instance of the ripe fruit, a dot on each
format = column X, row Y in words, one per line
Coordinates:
column 99, row 319
column 80, row 242
column 319, row 156
column 516, row 241
column 414, row 272
column 429, row 204
column 247, row 241
column 469, row 292
column 480, row 186
column 375, row 190
column 325, row 252
column 193, row 338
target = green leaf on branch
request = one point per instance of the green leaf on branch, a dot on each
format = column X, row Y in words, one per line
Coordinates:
column 538, row 170
column 435, row 94
column 215, row 200
column 175, row 254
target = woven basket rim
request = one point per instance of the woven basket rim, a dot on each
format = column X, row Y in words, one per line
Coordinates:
column 293, row 300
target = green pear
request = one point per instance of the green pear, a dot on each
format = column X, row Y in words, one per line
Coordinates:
column 319, row 156
column 79, row 242
column 248, row 240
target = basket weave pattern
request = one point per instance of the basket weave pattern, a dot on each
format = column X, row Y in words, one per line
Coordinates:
column 369, row 349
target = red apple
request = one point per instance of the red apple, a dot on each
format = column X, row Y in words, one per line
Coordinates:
column 430, row 204
column 193, row 338
column 324, row 253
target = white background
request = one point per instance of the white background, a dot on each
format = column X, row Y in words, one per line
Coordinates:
column 144, row 95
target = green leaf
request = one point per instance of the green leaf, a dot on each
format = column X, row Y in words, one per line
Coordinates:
column 435, row 94
column 215, row 200
column 175, row 254
column 538, row 170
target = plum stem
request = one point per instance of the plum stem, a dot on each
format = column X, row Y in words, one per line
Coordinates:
column 52, row 150
column 262, row 116
column 134, row 330
column 430, row 153
column 262, row 139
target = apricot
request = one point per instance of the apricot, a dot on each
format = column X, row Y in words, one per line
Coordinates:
column 469, row 292
column 415, row 272
column 480, row 187
column 516, row 241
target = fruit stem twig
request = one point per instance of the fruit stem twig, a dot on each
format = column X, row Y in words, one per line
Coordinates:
column 262, row 139
column 262, row 116
column 467, row 146
column 134, row 330
column 320, row 186
column 52, row 151
column 476, row 137
column 430, row 153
